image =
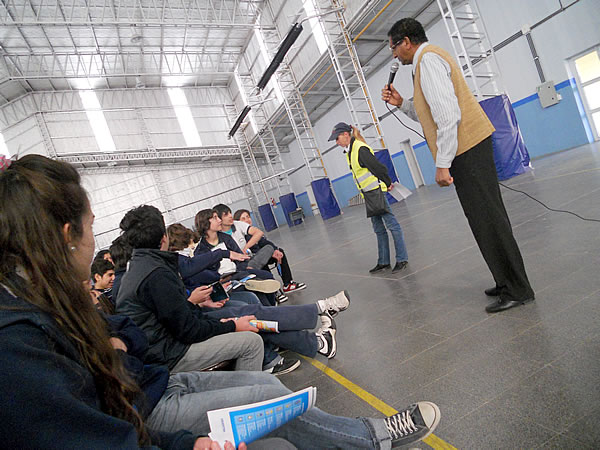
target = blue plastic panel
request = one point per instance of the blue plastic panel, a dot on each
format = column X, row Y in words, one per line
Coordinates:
column 328, row 205
column 268, row 219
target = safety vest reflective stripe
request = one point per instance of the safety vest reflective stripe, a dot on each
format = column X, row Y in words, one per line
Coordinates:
column 364, row 179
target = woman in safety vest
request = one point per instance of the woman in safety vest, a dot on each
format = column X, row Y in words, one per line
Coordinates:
column 370, row 174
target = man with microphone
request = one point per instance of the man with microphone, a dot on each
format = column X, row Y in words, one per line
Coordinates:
column 459, row 136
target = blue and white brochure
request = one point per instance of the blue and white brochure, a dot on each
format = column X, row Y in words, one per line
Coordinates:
column 248, row 423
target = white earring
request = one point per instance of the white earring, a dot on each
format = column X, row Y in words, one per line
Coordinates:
column 73, row 248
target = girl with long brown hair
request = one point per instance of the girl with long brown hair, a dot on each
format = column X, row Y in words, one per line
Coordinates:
column 62, row 384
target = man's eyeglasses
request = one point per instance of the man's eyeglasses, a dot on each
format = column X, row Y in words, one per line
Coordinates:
column 396, row 44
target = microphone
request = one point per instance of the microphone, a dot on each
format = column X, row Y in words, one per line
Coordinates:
column 393, row 69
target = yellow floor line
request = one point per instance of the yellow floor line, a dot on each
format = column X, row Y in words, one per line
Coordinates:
column 431, row 440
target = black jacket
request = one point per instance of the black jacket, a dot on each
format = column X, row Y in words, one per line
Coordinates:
column 48, row 398
column 154, row 297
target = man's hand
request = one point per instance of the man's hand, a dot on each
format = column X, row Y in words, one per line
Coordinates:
column 443, row 177
column 200, row 295
column 235, row 256
column 278, row 255
column 390, row 95
column 242, row 323
column 206, row 443
column 118, row 344
column 210, row 304
column 389, row 188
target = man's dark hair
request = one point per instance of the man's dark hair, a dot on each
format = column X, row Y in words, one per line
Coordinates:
column 408, row 27
column 120, row 251
column 221, row 209
column 101, row 266
column 100, row 254
column 179, row 237
column 143, row 227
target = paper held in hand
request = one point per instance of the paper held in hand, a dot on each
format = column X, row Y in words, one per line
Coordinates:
column 248, row 423
column 265, row 325
column 399, row 192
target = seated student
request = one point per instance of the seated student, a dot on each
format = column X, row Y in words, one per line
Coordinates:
column 189, row 396
column 208, row 226
column 121, row 254
column 61, row 384
column 238, row 232
column 278, row 256
column 85, row 398
column 153, row 296
column 194, row 268
column 103, row 275
column 100, row 300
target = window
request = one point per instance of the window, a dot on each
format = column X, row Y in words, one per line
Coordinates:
column 184, row 117
column 587, row 76
column 265, row 54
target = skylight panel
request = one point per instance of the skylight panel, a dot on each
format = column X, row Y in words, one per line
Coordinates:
column 97, row 121
column 315, row 26
column 184, row 117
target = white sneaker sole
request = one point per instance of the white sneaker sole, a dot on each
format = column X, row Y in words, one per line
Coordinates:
column 264, row 286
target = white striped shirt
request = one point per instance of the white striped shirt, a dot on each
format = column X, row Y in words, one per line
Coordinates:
column 439, row 94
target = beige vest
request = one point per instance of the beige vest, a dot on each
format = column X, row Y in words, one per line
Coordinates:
column 474, row 124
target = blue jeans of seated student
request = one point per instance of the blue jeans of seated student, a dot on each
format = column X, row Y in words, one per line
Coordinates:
column 383, row 241
column 190, row 395
column 294, row 323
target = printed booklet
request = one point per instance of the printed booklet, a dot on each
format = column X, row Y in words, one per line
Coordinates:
column 248, row 423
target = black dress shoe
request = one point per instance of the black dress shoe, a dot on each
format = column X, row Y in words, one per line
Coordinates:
column 399, row 266
column 379, row 268
column 492, row 292
column 503, row 305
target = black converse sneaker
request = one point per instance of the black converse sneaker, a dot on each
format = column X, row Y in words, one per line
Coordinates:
column 413, row 424
column 326, row 336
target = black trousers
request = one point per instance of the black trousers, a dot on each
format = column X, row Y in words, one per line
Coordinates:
column 286, row 272
column 476, row 182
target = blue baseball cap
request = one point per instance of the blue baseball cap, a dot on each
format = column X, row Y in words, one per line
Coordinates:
column 339, row 129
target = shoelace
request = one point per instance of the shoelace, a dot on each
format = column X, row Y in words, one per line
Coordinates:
column 400, row 425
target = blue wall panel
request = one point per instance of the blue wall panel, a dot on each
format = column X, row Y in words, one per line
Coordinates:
column 425, row 161
column 345, row 189
column 304, row 203
column 548, row 130
column 279, row 215
column 399, row 160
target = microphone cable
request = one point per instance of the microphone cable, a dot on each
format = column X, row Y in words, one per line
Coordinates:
column 501, row 184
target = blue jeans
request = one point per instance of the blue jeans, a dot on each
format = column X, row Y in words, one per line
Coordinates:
column 383, row 241
column 294, row 323
column 190, row 395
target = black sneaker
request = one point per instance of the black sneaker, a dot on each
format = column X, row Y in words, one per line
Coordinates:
column 326, row 336
column 399, row 266
column 413, row 424
column 286, row 365
column 379, row 268
column 281, row 297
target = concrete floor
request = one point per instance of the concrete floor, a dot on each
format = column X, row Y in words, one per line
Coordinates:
column 524, row 378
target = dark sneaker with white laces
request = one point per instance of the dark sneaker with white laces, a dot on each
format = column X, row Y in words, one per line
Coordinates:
column 333, row 305
column 293, row 287
column 286, row 365
column 281, row 297
column 413, row 424
column 326, row 336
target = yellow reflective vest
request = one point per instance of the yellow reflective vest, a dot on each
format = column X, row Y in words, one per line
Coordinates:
column 365, row 180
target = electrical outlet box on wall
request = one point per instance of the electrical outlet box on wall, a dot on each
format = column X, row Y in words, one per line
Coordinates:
column 547, row 94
